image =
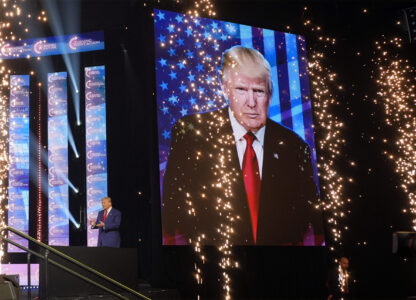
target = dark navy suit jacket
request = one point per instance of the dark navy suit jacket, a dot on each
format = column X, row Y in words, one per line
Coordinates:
column 203, row 161
column 109, row 236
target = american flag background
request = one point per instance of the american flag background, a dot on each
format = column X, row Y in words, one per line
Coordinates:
column 188, row 57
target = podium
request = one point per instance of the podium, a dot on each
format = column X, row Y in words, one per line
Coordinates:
column 119, row 264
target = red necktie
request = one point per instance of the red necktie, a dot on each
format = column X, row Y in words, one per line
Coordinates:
column 105, row 216
column 252, row 181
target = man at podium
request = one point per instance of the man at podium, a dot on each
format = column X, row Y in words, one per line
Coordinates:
column 107, row 223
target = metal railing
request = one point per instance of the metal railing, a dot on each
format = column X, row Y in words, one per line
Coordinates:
column 46, row 260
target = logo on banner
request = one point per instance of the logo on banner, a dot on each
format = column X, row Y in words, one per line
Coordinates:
column 94, row 167
column 15, row 80
column 56, row 231
column 41, row 46
column 18, row 159
column 93, row 143
column 94, row 178
column 72, row 43
column 93, row 214
column 53, row 219
column 57, row 158
column 55, row 195
column 56, row 100
column 93, row 154
column 55, row 77
column 15, row 136
column 16, row 222
column 93, row 119
column 16, row 125
column 18, row 91
column 57, row 112
column 58, row 137
column 94, row 192
column 16, row 102
column 6, row 50
column 75, row 42
column 17, row 172
column 56, row 182
column 37, row 47
column 54, row 206
column 52, row 172
column 17, row 183
column 14, row 207
column 91, row 96
column 93, row 84
column 54, row 89
column 92, row 73
column 15, row 196
column 54, row 123
column 93, row 130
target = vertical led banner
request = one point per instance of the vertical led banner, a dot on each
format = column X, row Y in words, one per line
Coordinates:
column 18, row 214
column 96, row 144
column 58, row 160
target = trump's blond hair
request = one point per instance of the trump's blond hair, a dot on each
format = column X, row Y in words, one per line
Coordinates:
column 240, row 58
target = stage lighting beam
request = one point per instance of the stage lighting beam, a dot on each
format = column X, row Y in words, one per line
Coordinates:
column 72, row 63
column 72, row 142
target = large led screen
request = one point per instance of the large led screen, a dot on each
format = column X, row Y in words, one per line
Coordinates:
column 236, row 143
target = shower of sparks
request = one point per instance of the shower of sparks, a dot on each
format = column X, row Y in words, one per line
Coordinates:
column 395, row 79
column 224, row 176
column 224, row 179
column 8, row 11
column 224, row 208
column 202, row 7
column 343, row 276
column 324, row 92
column 14, row 25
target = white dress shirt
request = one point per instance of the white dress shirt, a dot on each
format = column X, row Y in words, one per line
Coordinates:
column 241, row 143
column 108, row 210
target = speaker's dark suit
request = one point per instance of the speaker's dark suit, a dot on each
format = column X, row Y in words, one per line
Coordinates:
column 203, row 173
column 109, row 236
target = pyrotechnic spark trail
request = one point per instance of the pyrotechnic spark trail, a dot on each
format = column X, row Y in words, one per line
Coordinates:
column 15, row 22
column 202, row 7
column 325, row 91
column 395, row 79
column 224, row 176
column 8, row 11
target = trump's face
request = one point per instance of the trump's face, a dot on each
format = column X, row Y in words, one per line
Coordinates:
column 248, row 97
column 106, row 203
